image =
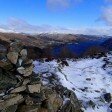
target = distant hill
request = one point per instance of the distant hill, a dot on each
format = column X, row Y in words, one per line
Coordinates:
column 27, row 40
column 42, row 40
column 40, row 45
column 45, row 39
column 68, row 37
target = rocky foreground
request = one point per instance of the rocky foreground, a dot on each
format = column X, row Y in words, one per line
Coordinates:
column 22, row 90
column 79, row 85
column 90, row 79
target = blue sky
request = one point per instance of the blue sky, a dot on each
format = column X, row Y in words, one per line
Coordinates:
column 56, row 13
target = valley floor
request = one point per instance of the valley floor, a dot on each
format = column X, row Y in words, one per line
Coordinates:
column 89, row 78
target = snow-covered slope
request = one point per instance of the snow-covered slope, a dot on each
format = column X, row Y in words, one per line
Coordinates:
column 89, row 78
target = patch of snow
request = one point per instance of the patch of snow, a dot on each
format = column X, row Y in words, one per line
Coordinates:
column 99, row 82
column 85, row 77
column 45, row 67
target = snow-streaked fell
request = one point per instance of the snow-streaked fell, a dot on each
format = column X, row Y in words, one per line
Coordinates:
column 86, row 77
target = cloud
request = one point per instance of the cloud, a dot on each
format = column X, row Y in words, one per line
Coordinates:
column 107, row 15
column 97, row 31
column 61, row 4
column 18, row 25
column 108, row 1
column 21, row 26
column 92, row 31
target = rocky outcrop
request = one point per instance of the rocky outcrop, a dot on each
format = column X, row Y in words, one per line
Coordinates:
column 108, row 97
column 23, row 91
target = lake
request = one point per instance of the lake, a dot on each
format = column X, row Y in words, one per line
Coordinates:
column 76, row 48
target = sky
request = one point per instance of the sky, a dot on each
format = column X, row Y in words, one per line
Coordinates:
column 65, row 16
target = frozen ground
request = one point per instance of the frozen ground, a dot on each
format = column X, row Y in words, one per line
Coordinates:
column 86, row 77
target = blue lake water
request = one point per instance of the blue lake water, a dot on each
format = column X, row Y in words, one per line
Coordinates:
column 76, row 48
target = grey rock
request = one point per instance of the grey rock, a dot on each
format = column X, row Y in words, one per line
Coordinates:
column 21, row 70
column 107, row 97
column 55, row 102
column 18, row 89
column 110, row 106
column 6, row 65
column 11, row 108
column 23, row 53
column 15, row 46
column 26, row 81
column 35, row 80
column 7, row 80
column 32, row 100
column 35, row 88
column 28, row 108
column 71, row 105
column 11, row 100
column 13, row 57
column 28, row 71
column 27, row 62
column 43, row 110
column 91, row 104
column 3, row 49
column 25, row 71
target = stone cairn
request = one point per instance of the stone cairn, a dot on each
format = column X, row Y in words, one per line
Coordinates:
column 22, row 91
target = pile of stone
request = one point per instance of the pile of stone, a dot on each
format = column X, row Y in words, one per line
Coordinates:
column 23, row 91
